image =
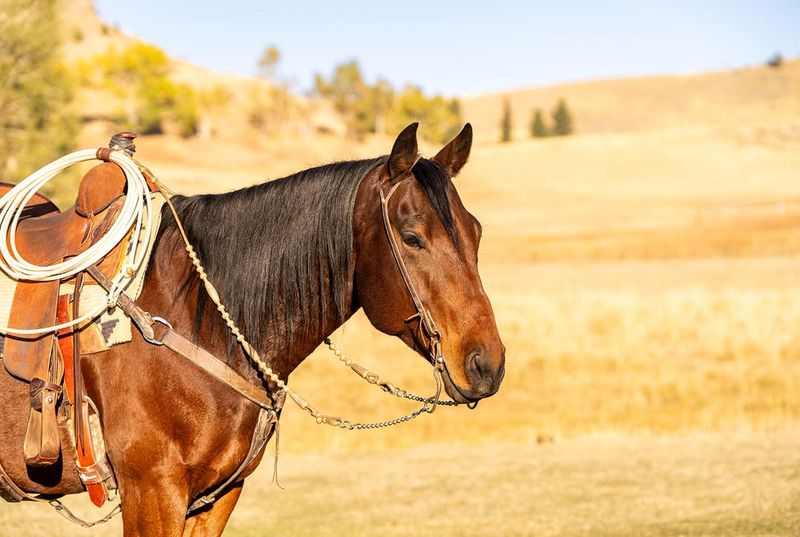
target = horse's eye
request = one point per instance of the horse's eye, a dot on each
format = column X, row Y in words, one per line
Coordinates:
column 412, row 239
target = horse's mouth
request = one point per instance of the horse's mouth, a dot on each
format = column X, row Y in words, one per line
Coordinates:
column 454, row 391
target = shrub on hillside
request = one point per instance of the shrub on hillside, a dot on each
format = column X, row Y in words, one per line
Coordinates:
column 140, row 75
column 210, row 101
column 377, row 108
column 439, row 118
column 776, row 60
column 538, row 127
column 36, row 124
column 271, row 105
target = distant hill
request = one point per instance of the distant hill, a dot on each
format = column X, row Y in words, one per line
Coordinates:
column 85, row 34
column 752, row 96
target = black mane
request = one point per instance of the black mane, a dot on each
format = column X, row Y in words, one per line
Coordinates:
column 280, row 253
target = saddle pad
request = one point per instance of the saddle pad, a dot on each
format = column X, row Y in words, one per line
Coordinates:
column 112, row 327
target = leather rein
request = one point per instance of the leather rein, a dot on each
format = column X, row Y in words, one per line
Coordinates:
column 427, row 327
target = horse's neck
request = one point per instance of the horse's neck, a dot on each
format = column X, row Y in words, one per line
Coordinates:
column 163, row 295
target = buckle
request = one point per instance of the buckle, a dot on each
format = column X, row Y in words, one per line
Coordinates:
column 162, row 321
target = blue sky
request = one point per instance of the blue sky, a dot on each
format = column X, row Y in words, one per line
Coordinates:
column 467, row 47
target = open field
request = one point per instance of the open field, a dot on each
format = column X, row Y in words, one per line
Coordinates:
column 641, row 282
column 653, row 374
column 622, row 346
column 700, row 484
column 645, row 275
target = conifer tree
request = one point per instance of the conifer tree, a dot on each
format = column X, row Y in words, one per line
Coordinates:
column 562, row 119
column 538, row 128
column 505, row 121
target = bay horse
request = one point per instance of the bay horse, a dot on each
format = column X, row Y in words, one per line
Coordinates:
column 292, row 259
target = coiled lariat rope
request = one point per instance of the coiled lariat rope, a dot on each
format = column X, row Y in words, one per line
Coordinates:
column 429, row 404
column 129, row 220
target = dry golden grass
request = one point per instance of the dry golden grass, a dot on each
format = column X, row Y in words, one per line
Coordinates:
column 681, row 193
column 747, row 96
column 603, row 485
column 627, row 347
column 641, row 282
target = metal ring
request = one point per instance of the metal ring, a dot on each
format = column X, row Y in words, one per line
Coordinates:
column 159, row 320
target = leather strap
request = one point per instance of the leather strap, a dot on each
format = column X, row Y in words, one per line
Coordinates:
column 268, row 408
column 98, row 491
column 37, row 385
column 141, row 318
column 77, row 379
column 266, row 420
column 216, row 368
column 426, row 322
column 185, row 347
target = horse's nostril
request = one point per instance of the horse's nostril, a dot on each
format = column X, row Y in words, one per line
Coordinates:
column 483, row 372
column 477, row 362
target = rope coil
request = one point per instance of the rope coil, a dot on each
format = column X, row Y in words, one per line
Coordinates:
column 130, row 220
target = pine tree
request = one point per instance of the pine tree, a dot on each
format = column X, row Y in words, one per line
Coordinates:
column 505, row 121
column 538, row 128
column 562, row 119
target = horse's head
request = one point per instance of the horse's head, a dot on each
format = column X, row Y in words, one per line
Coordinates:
column 436, row 240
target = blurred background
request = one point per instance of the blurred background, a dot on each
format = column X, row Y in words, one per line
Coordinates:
column 636, row 169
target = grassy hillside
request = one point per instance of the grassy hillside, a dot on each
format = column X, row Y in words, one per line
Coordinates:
column 642, row 280
column 85, row 35
column 763, row 96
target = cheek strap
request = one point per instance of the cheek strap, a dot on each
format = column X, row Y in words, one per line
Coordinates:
column 427, row 325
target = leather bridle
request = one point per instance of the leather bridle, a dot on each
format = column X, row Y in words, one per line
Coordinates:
column 427, row 327
column 428, row 333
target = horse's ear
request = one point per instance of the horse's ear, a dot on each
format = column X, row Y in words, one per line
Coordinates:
column 404, row 152
column 454, row 155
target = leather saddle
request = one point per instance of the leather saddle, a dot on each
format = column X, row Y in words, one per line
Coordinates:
column 45, row 236
column 49, row 238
